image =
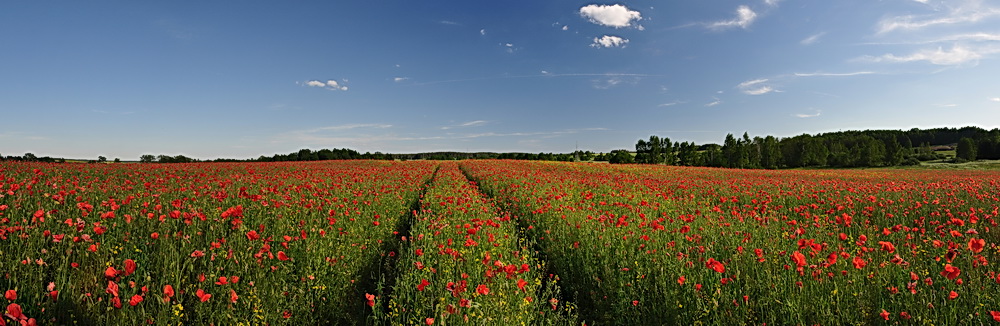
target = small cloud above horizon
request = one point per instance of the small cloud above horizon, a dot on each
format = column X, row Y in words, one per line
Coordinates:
column 616, row 15
column 806, row 115
column 330, row 84
column 744, row 17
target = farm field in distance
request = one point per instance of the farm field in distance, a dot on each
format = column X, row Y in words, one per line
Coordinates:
column 495, row 242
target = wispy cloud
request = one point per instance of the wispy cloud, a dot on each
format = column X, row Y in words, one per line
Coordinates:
column 807, row 115
column 771, row 2
column 827, row 74
column 466, row 124
column 744, row 17
column 350, row 127
column 616, row 16
column 609, row 41
column 400, row 79
column 716, row 101
column 545, row 74
column 812, row 38
column 330, row 84
column 969, row 12
column 957, row 55
column 670, row 104
column 448, row 22
column 995, row 99
column 755, row 87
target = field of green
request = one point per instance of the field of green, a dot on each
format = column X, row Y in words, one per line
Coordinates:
column 495, row 242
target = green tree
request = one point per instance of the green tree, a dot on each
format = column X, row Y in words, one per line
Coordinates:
column 147, row 158
column 118, row 160
column 101, row 159
column 30, row 157
column 967, row 149
column 731, row 152
column 770, row 153
column 894, row 152
column 620, row 156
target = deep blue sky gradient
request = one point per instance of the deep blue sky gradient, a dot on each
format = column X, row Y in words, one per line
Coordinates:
column 214, row 79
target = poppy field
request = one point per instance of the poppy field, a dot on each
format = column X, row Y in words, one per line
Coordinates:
column 494, row 242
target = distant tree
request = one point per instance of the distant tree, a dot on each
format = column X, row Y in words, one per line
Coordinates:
column 101, row 159
column 620, row 156
column 118, row 160
column 164, row 159
column 147, row 158
column 967, row 149
column 30, row 157
column 713, row 155
column 894, row 152
column 770, row 153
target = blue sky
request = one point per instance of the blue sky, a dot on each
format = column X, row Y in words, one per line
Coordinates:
column 212, row 79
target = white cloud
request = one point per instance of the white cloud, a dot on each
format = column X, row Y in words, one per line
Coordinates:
column 668, row 104
column 482, row 32
column 608, row 41
column 565, row 27
column 400, row 79
column 811, row 39
column 616, row 16
column 448, row 22
column 957, row 55
column 751, row 83
column 805, row 115
column 772, row 3
column 331, row 84
column 824, row 74
column 474, row 123
column 714, row 103
column 755, row 87
column 349, row 127
column 995, row 99
column 969, row 12
column 744, row 17
column 758, row 91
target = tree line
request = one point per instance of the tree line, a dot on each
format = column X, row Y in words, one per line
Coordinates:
column 868, row 148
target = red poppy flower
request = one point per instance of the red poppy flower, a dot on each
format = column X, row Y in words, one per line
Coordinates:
column 996, row 315
column 202, row 295
column 951, row 272
column 680, row 280
column 952, row 295
column 110, row 273
column 282, row 256
column 129, row 267
column 232, row 296
column 799, row 259
column 10, row 295
column 482, row 289
column 884, row 314
column 715, row 265
column 136, row 299
column 429, row 321
column 252, row 235
column 423, row 284
column 14, row 310
column 371, row 299
column 887, row 246
column 521, row 283
column 976, row 245
column 859, row 263
column 168, row 291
